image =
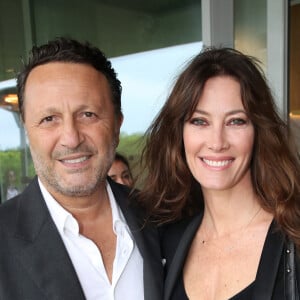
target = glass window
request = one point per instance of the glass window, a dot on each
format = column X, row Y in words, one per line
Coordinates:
column 294, row 69
column 10, row 159
column 12, row 45
column 148, row 43
column 147, row 78
column 250, row 28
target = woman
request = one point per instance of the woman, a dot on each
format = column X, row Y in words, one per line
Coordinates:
column 120, row 171
column 224, row 178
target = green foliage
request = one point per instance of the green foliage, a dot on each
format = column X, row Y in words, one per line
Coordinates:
column 131, row 146
column 13, row 159
column 10, row 160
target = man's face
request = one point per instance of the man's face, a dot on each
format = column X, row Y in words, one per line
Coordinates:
column 72, row 127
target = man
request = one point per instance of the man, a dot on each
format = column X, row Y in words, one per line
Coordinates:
column 120, row 170
column 72, row 234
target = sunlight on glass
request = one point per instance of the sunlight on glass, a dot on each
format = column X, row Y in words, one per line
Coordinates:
column 147, row 78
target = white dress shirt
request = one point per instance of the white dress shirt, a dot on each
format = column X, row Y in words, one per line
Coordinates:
column 127, row 276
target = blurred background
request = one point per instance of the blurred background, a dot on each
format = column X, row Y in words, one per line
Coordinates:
column 148, row 42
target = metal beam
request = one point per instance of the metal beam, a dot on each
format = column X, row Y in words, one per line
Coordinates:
column 217, row 23
column 277, row 52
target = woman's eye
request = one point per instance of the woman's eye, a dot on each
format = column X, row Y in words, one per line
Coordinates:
column 198, row 122
column 237, row 121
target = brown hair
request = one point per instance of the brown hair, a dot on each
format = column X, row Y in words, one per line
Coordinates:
column 170, row 192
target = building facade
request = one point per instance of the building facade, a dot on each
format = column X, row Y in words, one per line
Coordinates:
column 148, row 42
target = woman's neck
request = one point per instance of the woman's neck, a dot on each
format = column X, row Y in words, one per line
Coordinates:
column 230, row 210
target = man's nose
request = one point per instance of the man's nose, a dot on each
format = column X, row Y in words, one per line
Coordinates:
column 71, row 135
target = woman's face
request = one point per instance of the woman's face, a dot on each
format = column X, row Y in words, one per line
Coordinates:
column 120, row 173
column 218, row 138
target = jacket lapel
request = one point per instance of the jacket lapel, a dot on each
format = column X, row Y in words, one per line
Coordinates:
column 269, row 264
column 180, row 255
column 147, row 241
column 40, row 249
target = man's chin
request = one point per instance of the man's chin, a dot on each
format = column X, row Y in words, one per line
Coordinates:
column 73, row 186
column 76, row 191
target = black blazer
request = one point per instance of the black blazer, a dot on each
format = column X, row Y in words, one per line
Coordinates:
column 34, row 263
column 277, row 275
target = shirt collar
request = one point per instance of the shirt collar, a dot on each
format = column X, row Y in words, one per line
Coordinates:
column 65, row 221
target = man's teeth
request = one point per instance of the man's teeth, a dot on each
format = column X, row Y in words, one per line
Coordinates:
column 214, row 163
column 75, row 160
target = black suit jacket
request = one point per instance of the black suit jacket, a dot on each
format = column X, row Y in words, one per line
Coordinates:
column 277, row 270
column 34, row 263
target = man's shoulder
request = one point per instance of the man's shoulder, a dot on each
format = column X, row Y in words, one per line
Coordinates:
column 10, row 209
column 117, row 186
column 172, row 233
column 8, row 218
column 124, row 195
column 178, row 227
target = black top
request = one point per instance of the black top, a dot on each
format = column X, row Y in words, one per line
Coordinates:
column 278, row 270
column 180, row 294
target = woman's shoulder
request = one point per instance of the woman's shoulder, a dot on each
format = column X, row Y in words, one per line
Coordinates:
column 174, row 229
column 172, row 233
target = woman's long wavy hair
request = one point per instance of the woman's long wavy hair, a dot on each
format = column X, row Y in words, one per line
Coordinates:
column 170, row 192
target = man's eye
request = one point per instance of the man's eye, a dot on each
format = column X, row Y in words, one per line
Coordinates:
column 47, row 119
column 89, row 114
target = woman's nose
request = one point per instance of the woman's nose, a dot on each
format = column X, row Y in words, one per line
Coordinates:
column 218, row 140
